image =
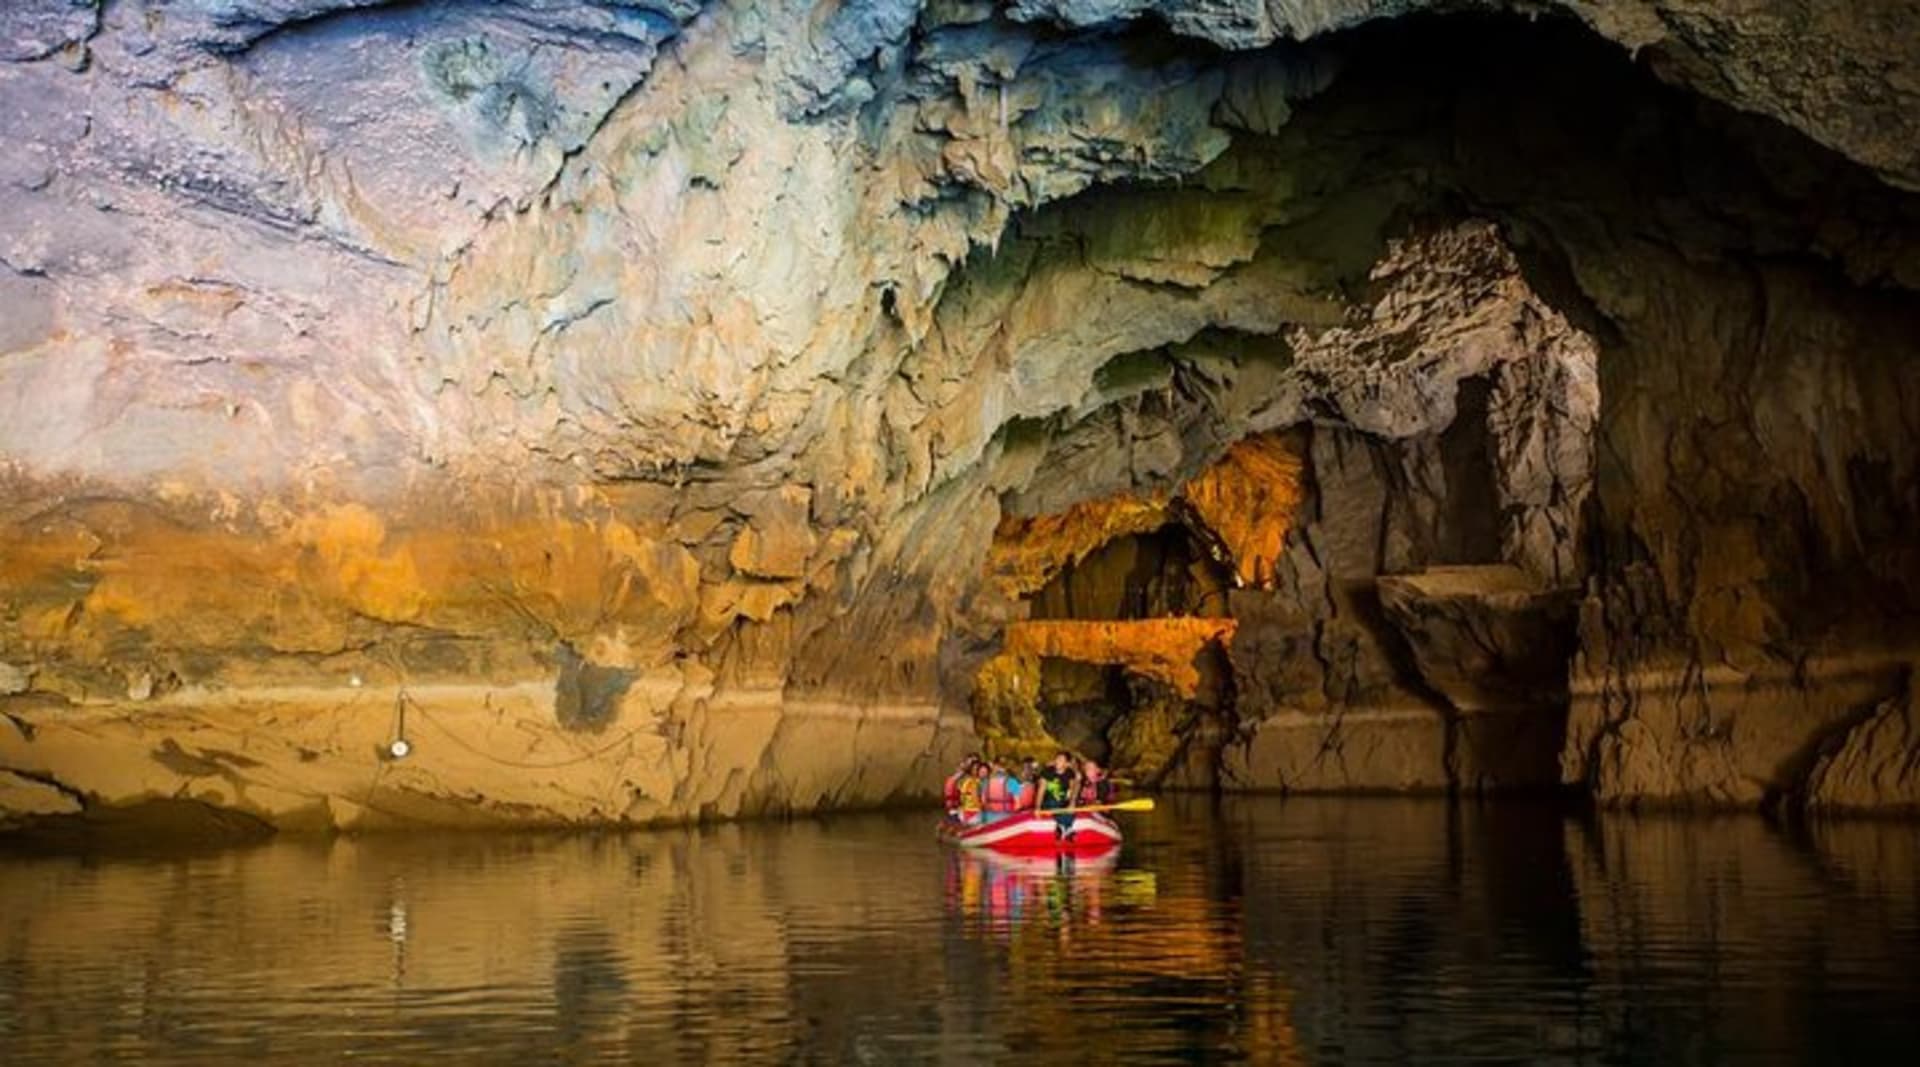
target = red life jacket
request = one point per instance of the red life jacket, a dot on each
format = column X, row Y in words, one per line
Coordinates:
column 952, row 791
column 999, row 794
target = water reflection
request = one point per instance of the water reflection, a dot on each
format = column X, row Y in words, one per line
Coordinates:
column 1266, row 931
column 996, row 893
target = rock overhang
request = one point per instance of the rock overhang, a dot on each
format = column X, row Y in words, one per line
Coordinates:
column 892, row 266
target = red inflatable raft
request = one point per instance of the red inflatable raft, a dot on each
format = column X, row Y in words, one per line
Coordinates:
column 1091, row 835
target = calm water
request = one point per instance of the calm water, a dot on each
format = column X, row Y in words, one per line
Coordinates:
column 1302, row 931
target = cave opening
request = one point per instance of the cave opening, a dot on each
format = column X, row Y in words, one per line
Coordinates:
column 1455, row 236
column 1163, row 572
column 1469, row 530
column 1097, row 708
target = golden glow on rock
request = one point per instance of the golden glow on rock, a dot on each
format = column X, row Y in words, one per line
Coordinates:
column 119, row 578
column 1029, row 552
column 1161, row 649
column 1247, row 501
column 1243, row 505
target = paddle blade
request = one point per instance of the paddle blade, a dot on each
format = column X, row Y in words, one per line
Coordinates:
column 1136, row 804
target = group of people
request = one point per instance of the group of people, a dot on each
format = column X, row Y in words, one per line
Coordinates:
column 982, row 791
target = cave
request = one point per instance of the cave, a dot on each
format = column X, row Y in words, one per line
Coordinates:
column 1482, row 577
column 1092, row 705
column 1452, row 402
column 1162, row 572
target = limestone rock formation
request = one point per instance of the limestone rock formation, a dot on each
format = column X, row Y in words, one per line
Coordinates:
column 1159, row 648
column 1494, row 645
column 1874, row 765
column 678, row 402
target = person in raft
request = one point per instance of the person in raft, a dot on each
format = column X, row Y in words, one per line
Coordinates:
column 1058, row 785
column 1001, row 793
column 973, row 793
column 950, row 793
column 1095, row 787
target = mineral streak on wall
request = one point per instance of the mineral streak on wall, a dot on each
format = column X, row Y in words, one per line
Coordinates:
column 637, row 391
column 1141, row 739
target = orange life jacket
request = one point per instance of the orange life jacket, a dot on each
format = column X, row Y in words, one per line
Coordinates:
column 999, row 792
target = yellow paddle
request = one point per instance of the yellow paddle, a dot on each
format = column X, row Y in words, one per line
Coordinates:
column 1137, row 804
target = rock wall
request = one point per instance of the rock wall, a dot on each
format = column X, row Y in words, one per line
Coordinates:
column 643, row 384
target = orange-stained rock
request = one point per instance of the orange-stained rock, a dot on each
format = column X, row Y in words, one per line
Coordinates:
column 115, row 583
column 1871, row 767
column 1162, row 649
column 1243, row 503
column 1027, row 552
column 1005, row 705
column 1144, row 738
column 777, row 540
column 1147, row 739
column 1247, row 499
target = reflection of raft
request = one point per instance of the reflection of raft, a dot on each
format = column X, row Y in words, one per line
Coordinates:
column 1039, row 867
column 1092, row 835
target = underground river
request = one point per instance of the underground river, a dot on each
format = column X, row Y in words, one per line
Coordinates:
column 1295, row 931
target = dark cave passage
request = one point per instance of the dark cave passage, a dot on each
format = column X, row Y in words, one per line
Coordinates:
column 1140, row 576
column 1624, row 420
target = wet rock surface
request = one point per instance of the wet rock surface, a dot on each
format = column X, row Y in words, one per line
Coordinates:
column 671, row 368
column 1872, row 765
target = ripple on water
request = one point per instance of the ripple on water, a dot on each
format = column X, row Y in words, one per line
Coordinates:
column 1322, row 931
